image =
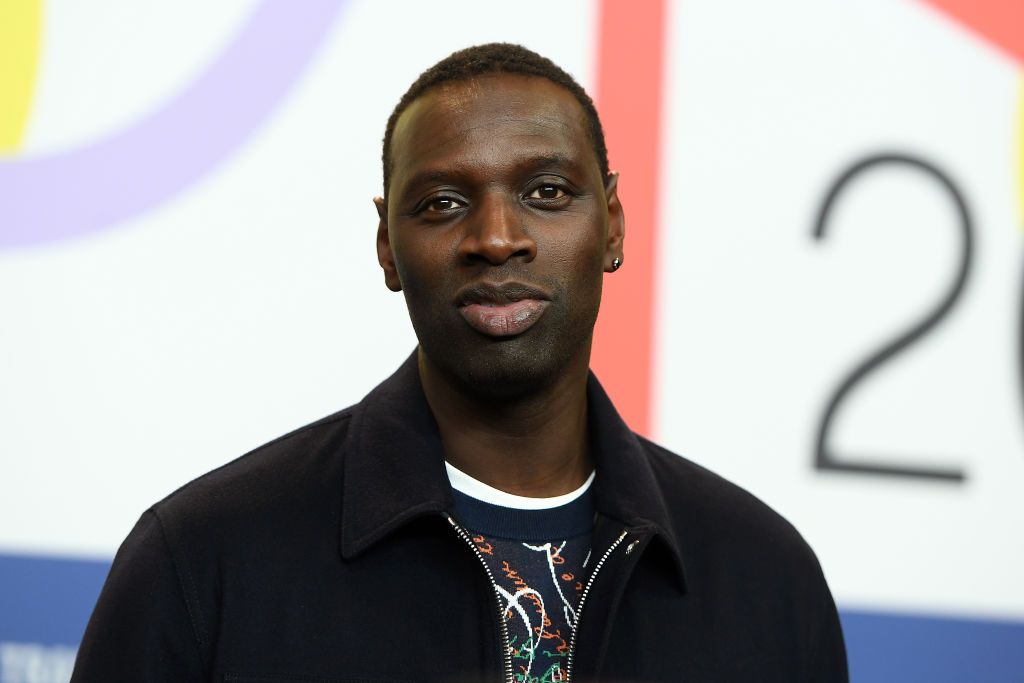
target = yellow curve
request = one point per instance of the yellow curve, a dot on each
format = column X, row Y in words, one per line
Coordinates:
column 20, row 31
column 1020, row 151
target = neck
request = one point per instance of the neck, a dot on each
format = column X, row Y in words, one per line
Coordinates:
column 535, row 445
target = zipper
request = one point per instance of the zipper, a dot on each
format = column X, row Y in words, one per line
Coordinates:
column 506, row 649
column 583, row 600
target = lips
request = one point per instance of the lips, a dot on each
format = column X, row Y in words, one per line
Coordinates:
column 503, row 310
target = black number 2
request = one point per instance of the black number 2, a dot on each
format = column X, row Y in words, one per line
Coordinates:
column 824, row 456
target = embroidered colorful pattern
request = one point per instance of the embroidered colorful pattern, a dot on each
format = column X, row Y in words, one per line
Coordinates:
column 539, row 587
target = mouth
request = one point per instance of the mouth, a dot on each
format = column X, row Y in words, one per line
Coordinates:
column 504, row 310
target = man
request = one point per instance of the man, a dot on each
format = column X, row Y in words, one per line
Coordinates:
column 484, row 514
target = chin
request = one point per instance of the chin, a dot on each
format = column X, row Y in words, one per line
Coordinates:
column 509, row 375
column 500, row 369
column 511, row 367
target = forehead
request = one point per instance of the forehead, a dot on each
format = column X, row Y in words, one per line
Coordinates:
column 489, row 121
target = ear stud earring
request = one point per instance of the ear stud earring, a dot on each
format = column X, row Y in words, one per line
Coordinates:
column 616, row 262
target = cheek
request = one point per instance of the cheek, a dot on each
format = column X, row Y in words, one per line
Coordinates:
column 578, row 265
column 583, row 253
column 420, row 261
column 428, row 276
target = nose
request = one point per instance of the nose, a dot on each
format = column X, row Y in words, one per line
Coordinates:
column 495, row 232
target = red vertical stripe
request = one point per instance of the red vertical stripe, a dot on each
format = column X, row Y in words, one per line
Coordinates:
column 1000, row 22
column 628, row 94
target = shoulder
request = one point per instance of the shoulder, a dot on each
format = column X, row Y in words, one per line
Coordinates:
column 267, row 486
column 748, row 561
column 710, row 511
column 164, row 590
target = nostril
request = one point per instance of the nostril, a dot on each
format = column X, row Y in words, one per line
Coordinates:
column 497, row 246
column 525, row 253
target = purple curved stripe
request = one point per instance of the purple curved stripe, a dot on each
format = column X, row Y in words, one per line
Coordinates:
column 90, row 188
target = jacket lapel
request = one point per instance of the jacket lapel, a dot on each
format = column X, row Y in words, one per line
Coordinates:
column 625, row 488
column 394, row 467
column 394, row 464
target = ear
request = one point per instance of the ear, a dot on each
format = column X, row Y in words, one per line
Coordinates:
column 616, row 223
column 385, row 257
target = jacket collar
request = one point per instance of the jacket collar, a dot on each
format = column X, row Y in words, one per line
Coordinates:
column 394, row 467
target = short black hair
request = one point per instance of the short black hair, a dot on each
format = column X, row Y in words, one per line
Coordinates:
column 493, row 58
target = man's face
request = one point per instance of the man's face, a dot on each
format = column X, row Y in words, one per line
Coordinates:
column 498, row 228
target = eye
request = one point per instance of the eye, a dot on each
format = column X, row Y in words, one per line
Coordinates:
column 442, row 205
column 546, row 191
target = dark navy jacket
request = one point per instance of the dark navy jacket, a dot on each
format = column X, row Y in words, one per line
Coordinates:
column 327, row 556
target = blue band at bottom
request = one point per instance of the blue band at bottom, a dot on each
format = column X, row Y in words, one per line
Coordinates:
column 45, row 604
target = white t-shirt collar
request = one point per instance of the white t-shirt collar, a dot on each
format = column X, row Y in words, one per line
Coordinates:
column 474, row 488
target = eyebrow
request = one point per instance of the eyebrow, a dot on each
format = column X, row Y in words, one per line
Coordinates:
column 525, row 165
column 552, row 159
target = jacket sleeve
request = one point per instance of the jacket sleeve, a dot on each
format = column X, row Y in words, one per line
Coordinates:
column 141, row 629
column 828, row 654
